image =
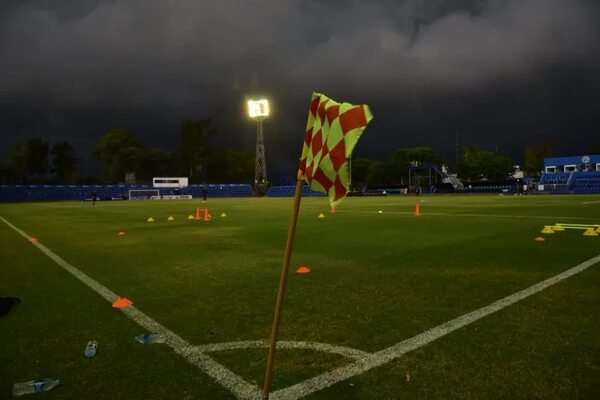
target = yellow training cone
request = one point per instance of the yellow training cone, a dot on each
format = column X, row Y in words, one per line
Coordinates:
column 598, row 230
column 590, row 232
column 547, row 229
column 321, row 215
column 150, row 219
column 558, row 228
column 223, row 215
column 190, row 216
column 171, row 218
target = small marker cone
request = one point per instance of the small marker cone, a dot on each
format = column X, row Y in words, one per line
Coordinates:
column 547, row 230
column 558, row 228
column 122, row 233
column 540, row 239
column 150, row 219
column 190, row 216
column 224, row 215
column 198, row 217
column 379, row 212
column 171, row 218
column 123, row 302
column 303, row 270
column 207, row 216
column 333, row 210
column 417, row 210
column 321, row 215
column 598, row 230
column 33, row 239
column 590, row 232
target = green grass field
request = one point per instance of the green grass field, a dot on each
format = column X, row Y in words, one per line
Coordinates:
column 377, row 279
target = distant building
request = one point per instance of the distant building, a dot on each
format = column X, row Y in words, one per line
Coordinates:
column 572, row 164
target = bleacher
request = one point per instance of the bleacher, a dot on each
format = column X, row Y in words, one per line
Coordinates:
column 571, row 182
column 573, row 174
column 111, row 192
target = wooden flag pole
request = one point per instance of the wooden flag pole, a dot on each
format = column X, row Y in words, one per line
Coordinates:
column 282, row 283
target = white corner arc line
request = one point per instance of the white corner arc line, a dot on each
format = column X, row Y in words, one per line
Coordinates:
column 285, row 344
column 360, row 366
column 232, row 382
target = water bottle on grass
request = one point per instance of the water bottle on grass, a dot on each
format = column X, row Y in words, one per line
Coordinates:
column 148, row 338
column 91, row 348
column 39, row 386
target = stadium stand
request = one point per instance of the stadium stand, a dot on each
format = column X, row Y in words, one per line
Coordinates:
column 110, row 192
column 577, row 174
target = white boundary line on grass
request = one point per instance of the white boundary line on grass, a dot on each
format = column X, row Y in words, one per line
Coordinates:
column 590, row 202
column 441, row 214
column 364, row 361
column 381, row 357
column 238, row 386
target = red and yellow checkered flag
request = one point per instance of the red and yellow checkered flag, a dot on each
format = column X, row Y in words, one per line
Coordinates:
column 332, row 131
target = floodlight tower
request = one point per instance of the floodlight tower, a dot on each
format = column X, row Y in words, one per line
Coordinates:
column 259, row 110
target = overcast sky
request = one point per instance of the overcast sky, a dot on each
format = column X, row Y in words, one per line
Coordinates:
column 501, row 74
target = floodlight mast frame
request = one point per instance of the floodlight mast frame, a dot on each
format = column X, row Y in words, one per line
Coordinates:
column 261, row 182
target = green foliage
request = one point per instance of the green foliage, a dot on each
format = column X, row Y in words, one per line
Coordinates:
column 399, row 161
column 231, row 165
column 534, row 156
column 480, row 164
column 195, row 148
column 156, row 162
column 37, row 156
column 360, row 170
column 120, row 151
column 18, row 160
column 64, row 162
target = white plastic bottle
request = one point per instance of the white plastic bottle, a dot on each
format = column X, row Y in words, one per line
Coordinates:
column 38, row 386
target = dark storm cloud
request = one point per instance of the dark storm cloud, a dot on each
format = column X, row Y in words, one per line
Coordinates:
column 177, row 57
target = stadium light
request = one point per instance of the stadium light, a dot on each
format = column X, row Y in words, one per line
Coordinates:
column 258, row 109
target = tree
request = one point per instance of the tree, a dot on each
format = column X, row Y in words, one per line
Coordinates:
column 195, row 148
column 360, row 170
column 378, row 174
column 534, row 156
column 231, row 165
column 64, row 162
column 121, row 152
column 479, row 164
column 156, row 162
column 37, row 157
column 399, row 161
column 18, row 160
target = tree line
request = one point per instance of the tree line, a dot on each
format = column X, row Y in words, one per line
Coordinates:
column 127, row 159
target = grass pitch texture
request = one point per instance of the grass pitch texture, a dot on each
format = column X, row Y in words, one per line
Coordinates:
column 376, row 279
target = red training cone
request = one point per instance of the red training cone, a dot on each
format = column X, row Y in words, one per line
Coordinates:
column 417, row 210
column 198, row 217
column 122, row 233
column 540, row 239
column 303, row 270
column 33, row 239
column 206, row 215
column 122, row 302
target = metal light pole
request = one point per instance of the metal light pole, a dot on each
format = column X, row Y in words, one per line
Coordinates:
column 259, row 110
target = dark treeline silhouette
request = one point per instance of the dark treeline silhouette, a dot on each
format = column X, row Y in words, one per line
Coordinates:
column 127, row 159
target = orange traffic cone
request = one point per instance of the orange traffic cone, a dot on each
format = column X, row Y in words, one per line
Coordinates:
column 206, row 215
column 417, row 210
column 198, row 217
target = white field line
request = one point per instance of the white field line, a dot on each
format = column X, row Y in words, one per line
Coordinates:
column 590, row 202
column 284, row 344
column 239, row 387
column 425, row 213
column 381, row 357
